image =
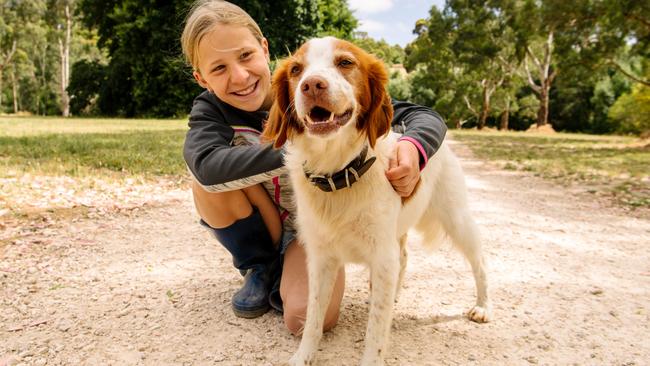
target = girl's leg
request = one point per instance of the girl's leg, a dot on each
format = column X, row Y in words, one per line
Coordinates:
column 248, row 225
column 220, row 210
column 294, row 290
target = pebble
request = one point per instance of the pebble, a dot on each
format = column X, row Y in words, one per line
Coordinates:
column 13, row 360
column 40, row 362
column 64, row 325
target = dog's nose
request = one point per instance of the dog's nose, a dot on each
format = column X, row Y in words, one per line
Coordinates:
column 314, row 86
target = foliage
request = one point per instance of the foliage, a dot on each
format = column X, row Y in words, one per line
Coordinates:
column 335, row 19
column 145, row 75
column 88, row 78
column 632, row 111
column 389, row 54
column 399, row 87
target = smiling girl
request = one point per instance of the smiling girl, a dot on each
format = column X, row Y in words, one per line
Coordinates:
column 240, row 187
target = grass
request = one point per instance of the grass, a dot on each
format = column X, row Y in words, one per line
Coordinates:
column 615, row 166
column 83, row 147
column 117, row 149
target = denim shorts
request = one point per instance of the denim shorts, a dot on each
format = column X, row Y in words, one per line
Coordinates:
column 288, row 235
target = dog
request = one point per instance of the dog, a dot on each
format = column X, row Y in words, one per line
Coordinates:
column 332, row 114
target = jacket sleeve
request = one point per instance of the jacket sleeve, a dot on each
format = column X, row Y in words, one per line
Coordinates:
column 420, row 125
column 215, row 163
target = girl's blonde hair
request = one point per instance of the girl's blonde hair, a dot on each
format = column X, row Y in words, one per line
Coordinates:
column 203, row 16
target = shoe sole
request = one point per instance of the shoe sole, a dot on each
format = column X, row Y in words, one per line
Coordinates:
column 250, row 314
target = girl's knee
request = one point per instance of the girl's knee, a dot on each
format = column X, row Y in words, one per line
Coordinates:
column 295, row 316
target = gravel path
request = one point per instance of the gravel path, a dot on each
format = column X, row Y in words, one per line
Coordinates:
column 570, row 280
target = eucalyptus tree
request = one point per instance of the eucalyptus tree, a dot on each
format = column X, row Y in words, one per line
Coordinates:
column 468, row 41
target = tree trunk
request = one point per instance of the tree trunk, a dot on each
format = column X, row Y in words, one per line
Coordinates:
column 64, row 51
column 14, row 89
column 542, row 112
column 485, row 108
column 546, row 77
column 505, row 116
column 1, row 86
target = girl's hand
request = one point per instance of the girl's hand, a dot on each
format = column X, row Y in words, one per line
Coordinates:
column 404, row 168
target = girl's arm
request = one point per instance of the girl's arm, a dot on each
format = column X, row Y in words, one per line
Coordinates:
column 421, row 126
column 215, row 163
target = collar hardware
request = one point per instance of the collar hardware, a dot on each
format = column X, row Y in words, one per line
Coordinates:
column 344, row 178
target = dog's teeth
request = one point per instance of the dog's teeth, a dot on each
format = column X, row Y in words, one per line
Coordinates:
column 309, row 119
column 331, row 117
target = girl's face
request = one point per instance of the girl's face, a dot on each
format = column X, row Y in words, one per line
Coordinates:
column 234, row 66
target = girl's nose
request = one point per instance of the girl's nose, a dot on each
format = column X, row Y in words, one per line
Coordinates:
column 238, row 74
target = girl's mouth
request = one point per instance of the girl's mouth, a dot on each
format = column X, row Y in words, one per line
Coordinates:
column 247, row 91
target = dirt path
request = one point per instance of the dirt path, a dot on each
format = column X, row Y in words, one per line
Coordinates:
column 570, row 284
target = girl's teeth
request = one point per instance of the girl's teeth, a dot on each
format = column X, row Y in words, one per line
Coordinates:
column 247, row 91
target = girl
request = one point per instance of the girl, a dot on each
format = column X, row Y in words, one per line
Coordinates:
column 240, row 186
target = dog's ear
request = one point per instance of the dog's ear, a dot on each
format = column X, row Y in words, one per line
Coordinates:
column 379, row 113
column 276, row 128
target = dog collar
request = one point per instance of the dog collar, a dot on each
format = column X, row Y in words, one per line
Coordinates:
column 345, row 177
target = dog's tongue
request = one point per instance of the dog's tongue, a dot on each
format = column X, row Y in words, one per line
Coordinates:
column 319, row 114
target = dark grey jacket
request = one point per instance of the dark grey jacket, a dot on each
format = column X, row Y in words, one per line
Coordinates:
column 219, row 164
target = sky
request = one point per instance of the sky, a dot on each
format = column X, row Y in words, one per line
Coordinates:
column 392, row 20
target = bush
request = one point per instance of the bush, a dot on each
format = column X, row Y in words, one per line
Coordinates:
column 632, row 111
column 86, row 80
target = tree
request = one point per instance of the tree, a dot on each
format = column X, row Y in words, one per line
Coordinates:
column 14, row 16
column 145, row 74
column 468, row 42
column 389, row 54
column 61, row 18
column 335, row 19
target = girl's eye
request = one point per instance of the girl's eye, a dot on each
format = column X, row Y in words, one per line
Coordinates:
column 218, row 68
column 245, row 55
column 345, row 63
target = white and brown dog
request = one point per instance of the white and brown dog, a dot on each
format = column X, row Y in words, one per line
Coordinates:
column 332, row 111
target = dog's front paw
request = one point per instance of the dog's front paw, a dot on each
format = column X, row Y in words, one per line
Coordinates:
column 301, row 358
column 372, row 360
column 480, row 314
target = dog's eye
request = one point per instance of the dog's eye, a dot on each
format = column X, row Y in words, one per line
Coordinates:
column 345, row 63
column 295, row 70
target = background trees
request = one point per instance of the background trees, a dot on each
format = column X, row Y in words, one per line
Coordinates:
column 579, row 66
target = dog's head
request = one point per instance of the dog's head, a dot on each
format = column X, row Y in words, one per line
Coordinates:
column 326, row 86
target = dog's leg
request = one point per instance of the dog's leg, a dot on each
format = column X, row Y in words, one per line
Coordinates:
column 384, row 272
column 403, row 257
column 465, row 235
column 322, row 275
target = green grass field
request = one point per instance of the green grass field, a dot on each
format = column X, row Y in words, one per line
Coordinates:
column 126, row 148
column 617, row 166
column 81, row 147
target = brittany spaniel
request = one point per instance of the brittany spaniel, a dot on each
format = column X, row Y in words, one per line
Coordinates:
column 332, row 112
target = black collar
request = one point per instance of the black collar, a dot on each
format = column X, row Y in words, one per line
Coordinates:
column 345, row 177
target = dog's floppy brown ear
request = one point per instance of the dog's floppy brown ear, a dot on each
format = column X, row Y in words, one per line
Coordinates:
column 276, row 128
column 379, row 113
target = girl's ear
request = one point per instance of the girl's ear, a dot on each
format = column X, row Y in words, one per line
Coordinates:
column 379, row 113
column 199, row 79
column 280, row 123
column 265, row 47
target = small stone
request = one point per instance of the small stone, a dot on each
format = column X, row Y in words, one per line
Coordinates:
column 64, row 325
column 124, row 312
column 40, row 362
column 531, row 359
column 13, row 360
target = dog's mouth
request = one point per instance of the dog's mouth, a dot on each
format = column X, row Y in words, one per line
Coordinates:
column 321, row 120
